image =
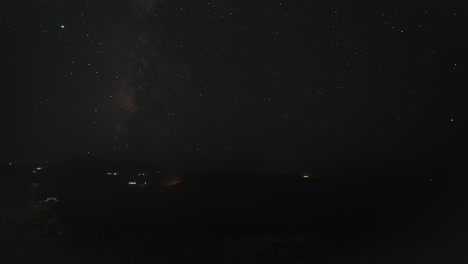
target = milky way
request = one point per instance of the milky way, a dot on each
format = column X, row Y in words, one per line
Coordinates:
column 223, row 84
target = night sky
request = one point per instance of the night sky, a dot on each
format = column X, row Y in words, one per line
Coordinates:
column 283, row 85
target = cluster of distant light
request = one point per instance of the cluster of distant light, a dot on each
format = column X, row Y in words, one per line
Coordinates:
column 139, row 174
column 130, row 182
column 134, row 183
column 37, row 169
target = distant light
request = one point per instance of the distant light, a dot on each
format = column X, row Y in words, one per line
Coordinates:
column 305, row 176
column 115, row 173
column 62, row 26
column 132, row 183
column 173, row 182
column 39, row 168
column 33, row 171
column 109, row 173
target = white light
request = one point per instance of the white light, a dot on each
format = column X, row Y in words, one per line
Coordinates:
column 131, row 183
column 39, row 168
column 62, row 26
column 306, row 176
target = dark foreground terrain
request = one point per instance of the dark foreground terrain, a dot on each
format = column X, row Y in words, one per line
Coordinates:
column 240, row 219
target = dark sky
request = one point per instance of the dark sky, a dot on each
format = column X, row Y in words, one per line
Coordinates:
column 273, row 84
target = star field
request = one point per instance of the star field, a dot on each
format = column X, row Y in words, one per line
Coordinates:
column 274, row 84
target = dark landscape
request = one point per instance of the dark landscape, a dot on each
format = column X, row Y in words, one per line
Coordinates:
column 232, row 218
